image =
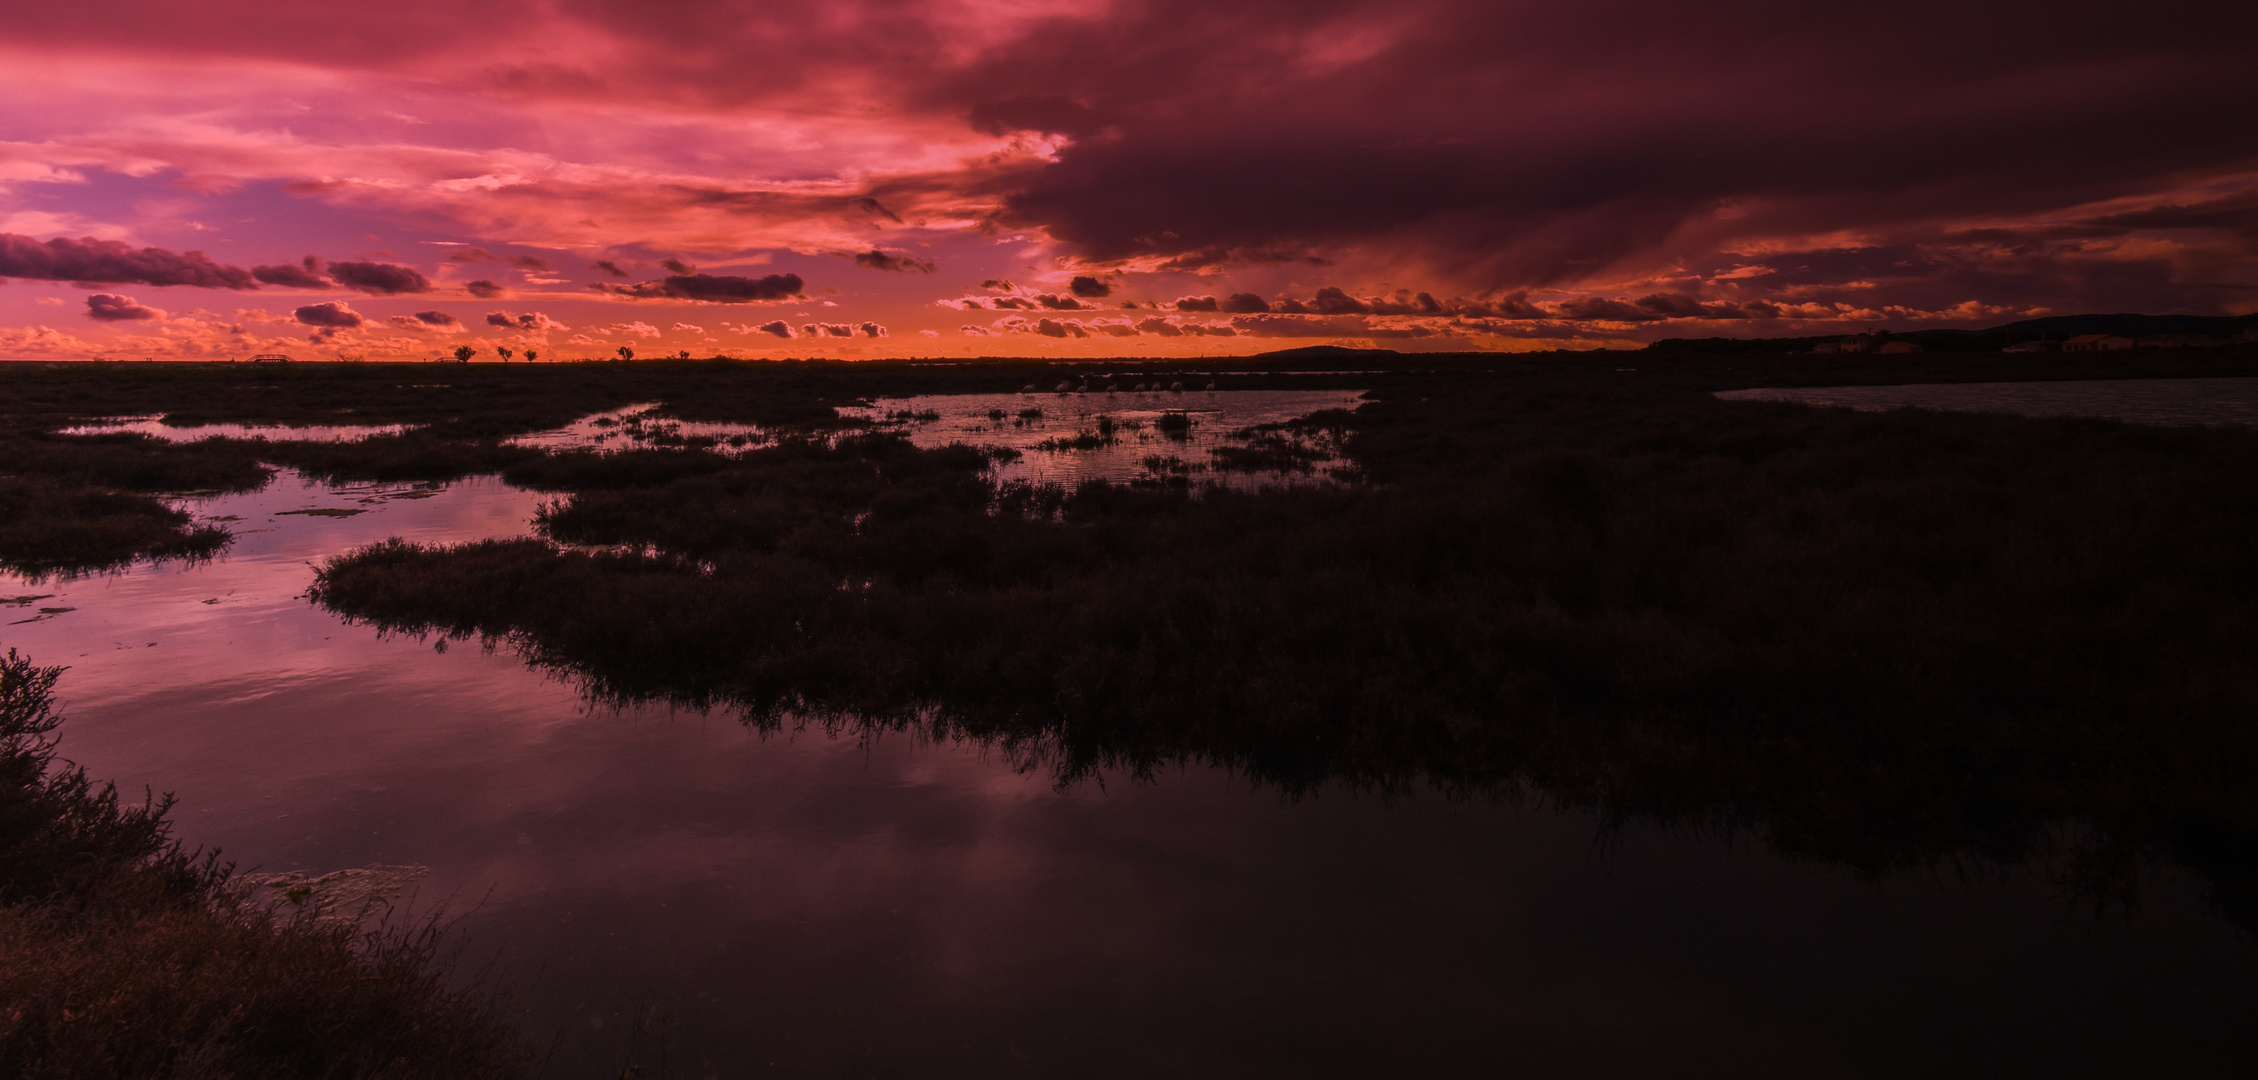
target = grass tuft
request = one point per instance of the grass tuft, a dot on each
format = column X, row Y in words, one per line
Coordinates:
column 124, row 955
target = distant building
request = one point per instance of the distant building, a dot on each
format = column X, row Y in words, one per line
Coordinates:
column 2097, row 343
column 1898, row 347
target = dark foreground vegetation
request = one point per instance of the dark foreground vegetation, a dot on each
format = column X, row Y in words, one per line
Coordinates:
column 123, row 955
column 1882, row 640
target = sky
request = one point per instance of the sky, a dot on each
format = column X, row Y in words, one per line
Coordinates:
column 206, row 179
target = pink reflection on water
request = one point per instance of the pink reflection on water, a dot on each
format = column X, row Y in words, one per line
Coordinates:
column 243, row 614
column 156, row 427
column 1214, row 415
column 842, row 906
column 636, row 427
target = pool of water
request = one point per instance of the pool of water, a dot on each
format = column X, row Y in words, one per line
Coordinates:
column 816, row 905
column 156, row 426
column 2220, row 402
column 641, row 426
column 1063, row 438
column 1140, row 429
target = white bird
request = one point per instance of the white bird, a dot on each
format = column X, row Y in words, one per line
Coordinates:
column 1113, row 388
column 1211, row 386
column 1027, row 389
column 1176, row 388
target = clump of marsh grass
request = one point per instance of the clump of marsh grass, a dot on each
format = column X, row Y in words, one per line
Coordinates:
column 124, row 954
column 53, row 527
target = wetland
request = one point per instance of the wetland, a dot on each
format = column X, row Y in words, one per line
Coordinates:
column 1567, row 715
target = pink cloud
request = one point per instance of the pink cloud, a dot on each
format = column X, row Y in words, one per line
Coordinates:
column 330, row 315
column 112, row 262
column 107, row 307
column 1641, row 168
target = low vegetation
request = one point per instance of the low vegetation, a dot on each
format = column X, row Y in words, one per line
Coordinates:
column 1884, row 640
column 125, row 955
column 1880, row 640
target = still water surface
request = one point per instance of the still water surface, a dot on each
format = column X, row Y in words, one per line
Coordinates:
column 815, row 906
column 156, row 427
column 998, row 420
column 1025, row 422
column 2224, row 402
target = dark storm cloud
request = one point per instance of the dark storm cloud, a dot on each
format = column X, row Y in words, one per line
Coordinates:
column 873, row 207
column 1089, row 288
column 609, row 267
column 379, row 279
column 331, row 315
column 1200, row 303
column 780, row 328
column 828, row 330
column 871, row 329
column 484, row 290
column 306, row 274
column 108, row 262
column 528, row 262
column 426, row 320
column 1329, row 326
column 712, row 288
column 1206, row 259
column 1055, row 302
column 875, row 259
column 1494, row 147
column 531, row 321
column 1056, row 115
column 1515, row 148
column 998, row 284
column 678, row 266
column 107, row 307
column 2237, row 213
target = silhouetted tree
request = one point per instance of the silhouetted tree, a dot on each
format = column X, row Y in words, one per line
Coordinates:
column 504, row 352
column 626, row 353
column 531, row 356
column 464, row 353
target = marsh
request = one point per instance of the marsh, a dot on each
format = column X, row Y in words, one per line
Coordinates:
column 1576, row 709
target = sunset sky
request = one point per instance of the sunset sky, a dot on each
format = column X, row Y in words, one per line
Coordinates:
column 850, row 178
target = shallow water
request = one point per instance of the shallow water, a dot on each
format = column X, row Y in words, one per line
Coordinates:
column 156, row 426
column 1214, row 415
column 637, row 426
column 996, row 420
column 2223, row 402
column 811, row 905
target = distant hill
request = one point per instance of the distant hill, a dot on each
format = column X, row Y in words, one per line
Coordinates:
column 2052, row 328
column 2219, row 326
column 1315, row 352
